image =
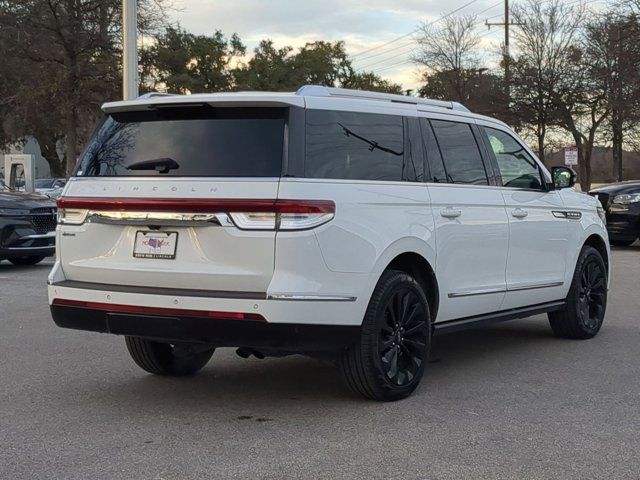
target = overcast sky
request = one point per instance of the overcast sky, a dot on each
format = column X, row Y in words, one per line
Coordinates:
column 362, row 24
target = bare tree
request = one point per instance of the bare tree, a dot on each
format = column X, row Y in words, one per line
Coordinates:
column 613, row 41
column 580, row 105
column 543, row 43
column 450, row 52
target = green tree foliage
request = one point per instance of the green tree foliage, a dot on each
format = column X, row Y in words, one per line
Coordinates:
column 371, row 82
column 270, row 68
column 317, row 63
column 321, row 63
column 188, row 63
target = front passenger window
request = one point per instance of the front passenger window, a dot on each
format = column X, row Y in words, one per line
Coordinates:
column 517, row 168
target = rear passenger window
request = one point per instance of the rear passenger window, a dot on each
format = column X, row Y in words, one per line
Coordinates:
column 361, row 146
column 460, row 153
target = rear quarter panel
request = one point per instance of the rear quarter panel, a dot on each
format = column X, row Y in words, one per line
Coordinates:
column 374, row 223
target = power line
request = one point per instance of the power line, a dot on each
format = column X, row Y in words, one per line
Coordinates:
column 407, row 49
column 400, row 49
column 395, row 48
column 415, row 30
column 404, row 53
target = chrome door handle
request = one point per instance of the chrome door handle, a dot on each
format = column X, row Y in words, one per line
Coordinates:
column 519, row 213
column 450, row 212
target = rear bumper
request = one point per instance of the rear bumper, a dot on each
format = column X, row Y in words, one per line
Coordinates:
column 219, row 332
column 244, row 319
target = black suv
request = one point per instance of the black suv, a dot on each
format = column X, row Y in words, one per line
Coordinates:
column 621, row 202
column 27, row 226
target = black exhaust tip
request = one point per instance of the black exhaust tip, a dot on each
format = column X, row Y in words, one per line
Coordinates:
column 246, row 353
column 241, row 352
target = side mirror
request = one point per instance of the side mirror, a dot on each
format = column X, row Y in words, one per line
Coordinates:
column 563, row 177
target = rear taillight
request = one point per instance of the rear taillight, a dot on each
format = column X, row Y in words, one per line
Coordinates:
column 287, row 215
column 72, row 216
column 246, row 214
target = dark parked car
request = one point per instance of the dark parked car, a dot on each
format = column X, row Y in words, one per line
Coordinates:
column 621, row 202
column 51, row 187
column 27, row 226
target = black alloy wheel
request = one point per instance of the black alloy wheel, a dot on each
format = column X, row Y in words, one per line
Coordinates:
column 586, row 304
column 592, row 292
column 389, row 359
column 403, row 337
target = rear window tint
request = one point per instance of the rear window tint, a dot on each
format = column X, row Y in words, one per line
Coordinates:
column 193, row 141
column 350, row 145
column 460, row 153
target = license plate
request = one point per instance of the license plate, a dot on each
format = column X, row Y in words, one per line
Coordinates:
column 160, row 245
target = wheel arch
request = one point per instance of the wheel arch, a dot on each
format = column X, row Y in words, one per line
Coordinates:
column 419, row 268
column 596, row 241
column 411, row 255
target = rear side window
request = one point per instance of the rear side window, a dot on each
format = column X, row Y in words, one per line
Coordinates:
column 360, row 146
column 460, row 153
column 199, row 141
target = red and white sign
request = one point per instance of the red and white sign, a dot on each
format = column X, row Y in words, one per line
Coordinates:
column 571, row 156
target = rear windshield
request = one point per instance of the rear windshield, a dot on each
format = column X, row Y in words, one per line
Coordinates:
column 188, row 142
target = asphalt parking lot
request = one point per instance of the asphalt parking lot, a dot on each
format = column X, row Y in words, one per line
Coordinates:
column 509, row 401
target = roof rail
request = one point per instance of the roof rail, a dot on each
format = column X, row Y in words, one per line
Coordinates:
column 153, row 94
column 320, row 91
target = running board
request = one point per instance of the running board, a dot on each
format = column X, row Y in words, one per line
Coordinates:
column 495, row 317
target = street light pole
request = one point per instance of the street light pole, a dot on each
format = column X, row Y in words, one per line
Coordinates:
column 129, row 50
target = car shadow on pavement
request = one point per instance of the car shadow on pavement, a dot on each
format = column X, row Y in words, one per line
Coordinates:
column 8, row 267
column 248, row 384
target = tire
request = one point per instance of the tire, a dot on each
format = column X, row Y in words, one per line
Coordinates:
column 176, row 360
column 583, row 314
column 388, row 361
column 622, row 243
column 26, row 260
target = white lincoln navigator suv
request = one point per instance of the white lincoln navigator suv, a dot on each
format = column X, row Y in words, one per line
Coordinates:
column 325, row 222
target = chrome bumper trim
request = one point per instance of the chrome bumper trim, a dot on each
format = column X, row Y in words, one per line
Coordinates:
column 311, row 298
column 160, row 218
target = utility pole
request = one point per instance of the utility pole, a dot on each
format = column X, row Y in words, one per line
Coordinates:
column 506, row 41
column 506, row 24
column 129, row 50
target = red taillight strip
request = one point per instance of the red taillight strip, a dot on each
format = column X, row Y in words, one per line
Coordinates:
column 115, row 308
column 197, row 205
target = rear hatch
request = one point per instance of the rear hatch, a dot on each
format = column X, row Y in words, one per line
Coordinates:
column 171, row 197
